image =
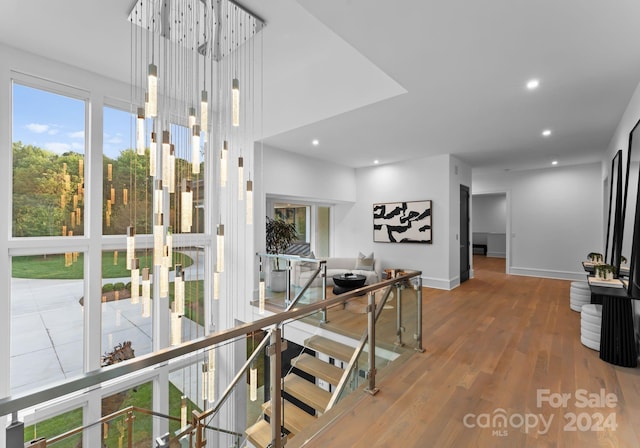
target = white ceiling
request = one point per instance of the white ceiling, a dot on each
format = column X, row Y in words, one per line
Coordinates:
column 401, row 80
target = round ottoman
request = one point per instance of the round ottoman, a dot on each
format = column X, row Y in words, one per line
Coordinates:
column 579, row 295
column 590, row 321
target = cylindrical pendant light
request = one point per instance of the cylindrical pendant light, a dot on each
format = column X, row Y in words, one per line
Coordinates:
column 131, row 248
column 249, row 204
column 204, row 111
column 186, row 210
column 153, row 149
column 191, row 121
column 240, row 178
column 152, row 90
column 166, row 151
column 195, row 149
column 223, row 163
column 158, row 239
column 216, row 286
column 235, row 102
column 220, row 249
column 253, row 382
column 157, row 197
column 140, row 143
column 164, row 273
column 135, row 281
column 183, row 411
column 178, row 292
column 146, row 293
column 168, row 238
column 205, row 381
column 172, row 169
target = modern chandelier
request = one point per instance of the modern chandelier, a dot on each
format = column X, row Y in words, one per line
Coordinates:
column 195, row 72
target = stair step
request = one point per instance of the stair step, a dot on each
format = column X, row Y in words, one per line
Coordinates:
column 307, row 392
column 295, row 419
column 328, row 347
column 318, row 368
column 259, row 434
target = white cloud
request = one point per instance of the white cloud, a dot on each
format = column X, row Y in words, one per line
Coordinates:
column 52, row 131
column 77, row 146
column 57, row 147
column 115, row 140
column 37, row 128
column 77, row 134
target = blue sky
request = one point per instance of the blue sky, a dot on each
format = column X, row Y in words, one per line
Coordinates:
column 57, row 123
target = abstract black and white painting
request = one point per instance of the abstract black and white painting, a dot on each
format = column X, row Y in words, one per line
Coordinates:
column 402, row 222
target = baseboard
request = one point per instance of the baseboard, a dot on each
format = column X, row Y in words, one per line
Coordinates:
column 439, row 283
column 497, row 254
column 548, row 273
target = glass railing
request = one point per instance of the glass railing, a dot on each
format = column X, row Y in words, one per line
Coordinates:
column 299, row 364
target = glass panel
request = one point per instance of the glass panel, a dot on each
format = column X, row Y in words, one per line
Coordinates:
column 127, row 187
column 185, row 396
column 115, row 429
column 125, row 318
column 323, row 235
column 46, row 319
column 56, row 426
column 48, row 163
column 300, row 216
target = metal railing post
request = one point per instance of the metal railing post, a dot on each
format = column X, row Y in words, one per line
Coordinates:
column 418, row 335
column 371, row 311
column 130, row 418
column 275, row 362
column 287, row 292
column 399, row 327
column 324, row 292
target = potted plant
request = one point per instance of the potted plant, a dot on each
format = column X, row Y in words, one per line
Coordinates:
column 595, row 257
column 604, row 271
column 280, row 235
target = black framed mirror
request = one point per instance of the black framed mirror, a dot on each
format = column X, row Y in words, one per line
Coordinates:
column 614, row 220
column 631, row 234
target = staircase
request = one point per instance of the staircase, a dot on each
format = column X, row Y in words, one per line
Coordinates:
column 296, row 419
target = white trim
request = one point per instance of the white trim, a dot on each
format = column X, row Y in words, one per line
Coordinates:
column 440, row 283
column 548, row 273
column 497, row 254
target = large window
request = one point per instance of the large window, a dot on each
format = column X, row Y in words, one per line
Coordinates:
column 46, row 319
column 48, row 163
column 313, row 224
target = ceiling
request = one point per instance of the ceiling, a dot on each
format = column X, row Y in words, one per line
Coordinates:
column 402, row 80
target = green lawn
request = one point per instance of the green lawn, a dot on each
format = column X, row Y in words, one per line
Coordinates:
column 193, row 300
column 53, row 266
column 142, row 425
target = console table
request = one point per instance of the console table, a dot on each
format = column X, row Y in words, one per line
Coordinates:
column 617, row 336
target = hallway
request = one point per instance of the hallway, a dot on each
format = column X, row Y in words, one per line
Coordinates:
column 498, row 351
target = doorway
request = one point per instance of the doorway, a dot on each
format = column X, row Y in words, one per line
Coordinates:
column 465, row 266
column 491, row 234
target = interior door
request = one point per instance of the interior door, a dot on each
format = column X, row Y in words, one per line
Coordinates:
column 464, row 234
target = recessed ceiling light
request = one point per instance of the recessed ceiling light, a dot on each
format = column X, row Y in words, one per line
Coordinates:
column 376, row 161
column 533, row 84
column 315, row 142
column 555, row 162
column 546, row 133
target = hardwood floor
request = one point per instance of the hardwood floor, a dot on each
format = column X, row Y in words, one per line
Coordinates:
column 492, row 346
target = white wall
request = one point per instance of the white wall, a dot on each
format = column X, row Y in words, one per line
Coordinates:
column 287, row 174
column 408, row 181
column 556, row 217
column 490, row 213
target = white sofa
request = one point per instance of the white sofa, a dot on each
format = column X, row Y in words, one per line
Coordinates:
column 301, row 272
